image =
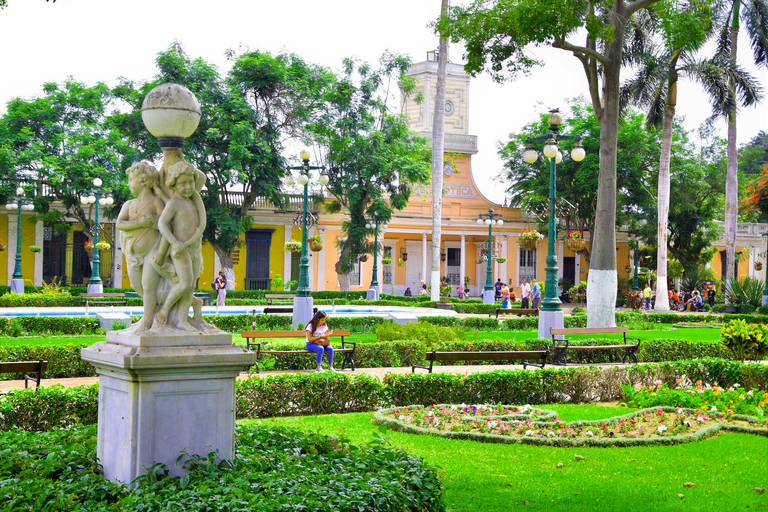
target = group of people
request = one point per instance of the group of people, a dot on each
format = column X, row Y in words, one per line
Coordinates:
column 531, row 295
column 690, row 300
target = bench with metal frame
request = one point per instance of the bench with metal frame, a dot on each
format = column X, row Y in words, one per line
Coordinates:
column 284, row 309
column 518, row 355
column 515, row 311
column 35, row 367
column 103, row 299
column 347, row 347
column 278, row 296
column 630, row 350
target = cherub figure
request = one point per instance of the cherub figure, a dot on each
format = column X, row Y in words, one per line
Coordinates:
column 139, row 234
column 181, row 225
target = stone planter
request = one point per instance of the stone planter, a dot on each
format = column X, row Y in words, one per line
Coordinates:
column 444, row 305
column 731, row 310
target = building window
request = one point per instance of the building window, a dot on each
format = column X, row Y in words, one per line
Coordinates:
column 387, row 269
column 355, row 274
column 453, row 266
column 527, row 268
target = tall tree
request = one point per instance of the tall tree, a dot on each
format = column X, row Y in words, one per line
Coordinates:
column 246, row 118
column 438, row 146
column 755, row 15
column 371, row 157
column 656, row 87
column 60, row 139
column 500, row 31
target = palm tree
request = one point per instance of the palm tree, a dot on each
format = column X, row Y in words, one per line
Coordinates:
column 755, row 15
column 656, row 86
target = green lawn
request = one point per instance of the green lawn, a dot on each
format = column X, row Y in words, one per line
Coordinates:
column 490, row 477
column 703, row 334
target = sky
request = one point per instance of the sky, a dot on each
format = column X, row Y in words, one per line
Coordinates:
column 100, row 40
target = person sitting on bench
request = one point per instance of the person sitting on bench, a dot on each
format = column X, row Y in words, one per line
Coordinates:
column 317, row 340
column 694, row 303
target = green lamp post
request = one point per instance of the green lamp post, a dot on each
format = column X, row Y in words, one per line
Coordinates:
column 765, row 291
column 374, row 224
column 635, row 284
column 96, row 196
column 303, row 303
column 551, row 308
column 20, row 203
column 490, row 218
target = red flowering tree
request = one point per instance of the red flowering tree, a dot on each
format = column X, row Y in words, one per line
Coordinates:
column 757, row 194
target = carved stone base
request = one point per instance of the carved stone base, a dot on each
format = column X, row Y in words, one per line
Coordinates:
column 158, row 401
column 17, row 286
column 302, row 310
column 548, row 319
column 96, row 288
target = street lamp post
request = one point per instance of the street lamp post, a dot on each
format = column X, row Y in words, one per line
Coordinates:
column 765, row 291
column 635, row 285
column 95, row 198
column 551, row 314
column 303, row 302
column 20, row 203
column 490, row 218
column 375, row 223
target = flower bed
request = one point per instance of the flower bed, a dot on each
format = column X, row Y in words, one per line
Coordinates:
column 510, row 424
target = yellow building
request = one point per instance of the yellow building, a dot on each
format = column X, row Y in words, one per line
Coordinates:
column 407, row 240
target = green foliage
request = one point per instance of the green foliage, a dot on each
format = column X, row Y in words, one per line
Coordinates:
column 746, row 341
column 49, row 407
column 277, row 282
column 734, row 398
column 422, row 331
column 274, row 469
column 746, row 290
column 45, row 325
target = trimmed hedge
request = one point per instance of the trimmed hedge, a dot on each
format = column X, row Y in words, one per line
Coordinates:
column 44, row 325
column 312, row 393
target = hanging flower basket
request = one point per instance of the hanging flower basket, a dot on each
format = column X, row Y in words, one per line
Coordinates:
column 363, row 258
column 501, row 259
column 292, row 246
column 758, row 265
column 386, row 261
column 627, row 269
column 575, row 244
column 480, row 260
column 89, row 246
column 529, row 239
column 2, row 246
column 35, row 248
column 400, row 262
column 103, row 246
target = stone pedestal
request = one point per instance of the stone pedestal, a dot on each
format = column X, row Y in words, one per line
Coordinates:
column 17, row 286
column 96, row 288
column 302, row 310
column 489, row 296
column 160, row 397
column 549, row 319
column 372, row 293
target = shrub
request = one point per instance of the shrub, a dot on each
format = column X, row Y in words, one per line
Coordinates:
column 745, row 341
column 747, row 290
column 422, row 331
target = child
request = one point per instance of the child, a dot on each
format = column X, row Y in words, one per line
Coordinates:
column 317, row 340
column 137, row 223
column 408, row 292
column 181, row 224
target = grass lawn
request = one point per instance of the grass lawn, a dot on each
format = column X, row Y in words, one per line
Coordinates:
column 703, row 334
column 490, row 477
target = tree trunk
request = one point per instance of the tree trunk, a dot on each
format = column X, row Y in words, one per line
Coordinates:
column 225, row 257
column 603, row 280
column 731, row 175
column 662, row 304
column 438, row 134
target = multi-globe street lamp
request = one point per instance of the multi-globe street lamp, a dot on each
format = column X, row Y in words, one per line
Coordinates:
column 490, row 218
column 96, row 196
column 303, row 303
column 20, row 203
column 375, row 223
column 551, row 310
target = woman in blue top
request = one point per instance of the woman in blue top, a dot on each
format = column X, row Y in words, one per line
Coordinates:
column 317, row 340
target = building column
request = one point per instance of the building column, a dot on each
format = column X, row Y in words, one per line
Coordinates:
column 503, row 266
column 11, row 246
column 424, row 274
column 321, row 263
column 751, row 271
column 380, row 273
column 463, row 258
column 287, row 257
column 117, row 261
column 38, row 277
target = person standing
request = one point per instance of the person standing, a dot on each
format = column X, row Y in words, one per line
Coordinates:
column 536, row 294
column 711, row 295
column 647, row 296
column 498, row 286
column 504, row 296
column 526, row 294
column 220, row 285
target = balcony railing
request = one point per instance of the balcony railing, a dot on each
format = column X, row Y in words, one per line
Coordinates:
column 258, row 283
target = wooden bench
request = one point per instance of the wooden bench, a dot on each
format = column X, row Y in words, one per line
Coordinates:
column 285, row 309
column 560, row 350
column 203, row 296
column 103, row 299
column 347, row 347
column 37, row 367
column 485, row 356
column 516, row 311
column 279, row 296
